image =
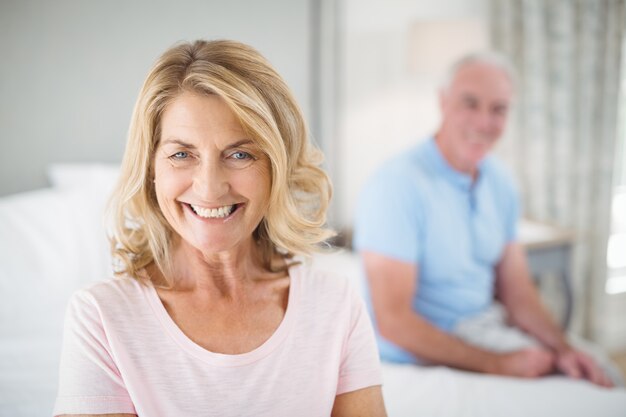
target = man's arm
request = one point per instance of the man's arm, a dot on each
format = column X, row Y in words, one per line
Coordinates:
column 517, row 293
column 392, row 285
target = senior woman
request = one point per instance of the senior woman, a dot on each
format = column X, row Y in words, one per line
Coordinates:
column 212, row 314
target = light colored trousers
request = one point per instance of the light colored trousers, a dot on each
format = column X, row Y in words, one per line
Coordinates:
column 490, row 331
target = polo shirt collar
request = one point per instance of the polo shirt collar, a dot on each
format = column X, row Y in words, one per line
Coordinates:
column 441, row 165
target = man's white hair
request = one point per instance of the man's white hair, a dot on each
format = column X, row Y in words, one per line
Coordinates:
column 492, row 58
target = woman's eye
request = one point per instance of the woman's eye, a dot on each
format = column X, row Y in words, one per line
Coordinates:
column 180, row 155
column 239, row 159
column 241, row 155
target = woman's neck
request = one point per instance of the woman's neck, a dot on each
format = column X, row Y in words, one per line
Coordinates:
column 225, row 274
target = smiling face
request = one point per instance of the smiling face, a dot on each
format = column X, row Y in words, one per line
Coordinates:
column 474, row 111
column 212, row 181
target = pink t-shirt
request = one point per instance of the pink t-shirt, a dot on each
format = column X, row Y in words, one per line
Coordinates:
column 122, row 353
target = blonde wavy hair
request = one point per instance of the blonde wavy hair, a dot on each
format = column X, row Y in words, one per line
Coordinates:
column 300, row 190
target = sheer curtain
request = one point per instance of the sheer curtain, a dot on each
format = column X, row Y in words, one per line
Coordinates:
column 562, row 137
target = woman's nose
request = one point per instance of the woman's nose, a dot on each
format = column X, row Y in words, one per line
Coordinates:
column 211, row 182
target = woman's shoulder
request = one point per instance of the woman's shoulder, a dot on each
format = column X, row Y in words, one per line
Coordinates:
column 329, row 294
column 112, row 285
column 326, row 276
column 119, row 291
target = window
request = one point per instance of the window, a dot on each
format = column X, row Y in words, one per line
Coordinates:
column 616, row 250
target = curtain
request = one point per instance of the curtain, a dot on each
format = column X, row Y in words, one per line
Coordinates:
column 562, row 136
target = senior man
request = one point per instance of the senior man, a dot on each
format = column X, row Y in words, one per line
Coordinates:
column 436, row 230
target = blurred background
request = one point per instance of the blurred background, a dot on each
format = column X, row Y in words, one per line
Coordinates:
column 366, row 74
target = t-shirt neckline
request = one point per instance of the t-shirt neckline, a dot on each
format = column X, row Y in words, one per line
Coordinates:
column 458, row 178
column 223, row 359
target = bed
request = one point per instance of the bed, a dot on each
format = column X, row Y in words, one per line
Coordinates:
column 52, row 242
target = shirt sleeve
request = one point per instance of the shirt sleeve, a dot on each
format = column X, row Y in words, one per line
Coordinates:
column 360, row 361
column 89, row 380
column 389, row 216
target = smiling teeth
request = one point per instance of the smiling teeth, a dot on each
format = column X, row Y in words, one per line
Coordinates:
column 215, row 213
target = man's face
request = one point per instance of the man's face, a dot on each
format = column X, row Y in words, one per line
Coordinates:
column 474, row 112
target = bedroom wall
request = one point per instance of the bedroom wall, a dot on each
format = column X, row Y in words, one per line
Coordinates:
column 392, row 61
column 71, row 69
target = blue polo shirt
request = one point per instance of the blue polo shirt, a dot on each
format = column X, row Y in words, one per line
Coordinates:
column 417, row 208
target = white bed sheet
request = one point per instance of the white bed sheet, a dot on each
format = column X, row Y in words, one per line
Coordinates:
column 412, row 391
column 28, row 376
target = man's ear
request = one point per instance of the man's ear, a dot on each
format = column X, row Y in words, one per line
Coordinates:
column 442, row 99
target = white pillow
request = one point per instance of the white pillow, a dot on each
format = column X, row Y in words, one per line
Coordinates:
column 52, row 242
